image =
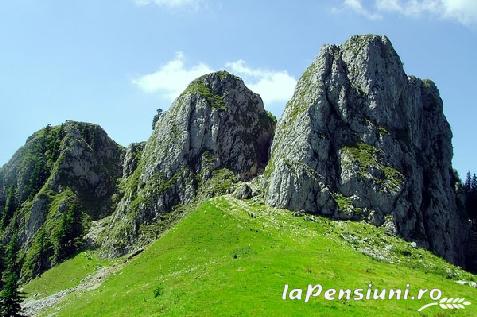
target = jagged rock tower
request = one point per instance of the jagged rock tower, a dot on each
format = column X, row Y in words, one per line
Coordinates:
column 216, row 132
column 360, row 139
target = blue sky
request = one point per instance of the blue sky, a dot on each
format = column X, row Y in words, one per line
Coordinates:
column 113, row 62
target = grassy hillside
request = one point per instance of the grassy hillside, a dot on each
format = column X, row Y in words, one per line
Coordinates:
column 233, row 258
column 65, row 275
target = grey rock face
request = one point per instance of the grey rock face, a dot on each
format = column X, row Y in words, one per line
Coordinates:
column 362, row 140
column 216, row 129
column 218, row 115
column 90, row 163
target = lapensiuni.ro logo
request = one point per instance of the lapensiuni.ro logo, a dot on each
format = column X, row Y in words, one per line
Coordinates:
column 433, row 297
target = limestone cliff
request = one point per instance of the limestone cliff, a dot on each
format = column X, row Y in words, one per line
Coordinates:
column 360, row 139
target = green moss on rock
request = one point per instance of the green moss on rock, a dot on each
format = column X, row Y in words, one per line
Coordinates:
column 269, row 168
column 383, row 131
column 365, row 156
column 200, row 87
column 345, row 204
column 60, row 237
column 299, row 104
column 220, row 183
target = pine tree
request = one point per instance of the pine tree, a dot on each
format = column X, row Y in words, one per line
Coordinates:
column 10, row 296
column 2, row 267
column 10, row 206
column 66, row 237
column 471, row 195
column 159, row 113
column 467, row 183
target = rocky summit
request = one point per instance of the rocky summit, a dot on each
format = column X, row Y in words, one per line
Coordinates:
column 215, row 133
column 362, row 140
column 61, row 179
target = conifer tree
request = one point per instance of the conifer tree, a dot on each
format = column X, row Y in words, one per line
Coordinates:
column 470, row 190
column 467, row 183
column 159, row 113
column 2, row 267
column 10, row 206
column 10, row 296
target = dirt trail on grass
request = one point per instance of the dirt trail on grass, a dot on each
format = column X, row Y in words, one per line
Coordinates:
column 32, row 307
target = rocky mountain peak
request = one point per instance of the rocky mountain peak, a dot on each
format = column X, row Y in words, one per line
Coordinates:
column 214, row 87
column 217, row 115
column 215, row 133
column 53, row 186
column 362, row 140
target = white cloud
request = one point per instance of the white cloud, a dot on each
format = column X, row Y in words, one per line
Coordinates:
column 174, row 76
column 171, row 78
column 462, row 11
column 412, row 7
column 273, row 86
column 169, row 3
column 358, row 7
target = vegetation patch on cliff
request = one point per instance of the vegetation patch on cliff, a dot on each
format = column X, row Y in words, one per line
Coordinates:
column 345, row 204
column 219, row 183
column 59, row 237
column 198, row 86
column 299, row 103
column 366, row 157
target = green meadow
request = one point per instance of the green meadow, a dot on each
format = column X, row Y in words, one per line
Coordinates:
column 229, row 257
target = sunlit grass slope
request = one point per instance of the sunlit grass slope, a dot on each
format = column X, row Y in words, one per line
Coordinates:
column 233, row 258
column 65, row 275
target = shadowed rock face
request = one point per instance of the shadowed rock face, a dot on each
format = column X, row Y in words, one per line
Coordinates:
column 362, row 140
column 216, row 128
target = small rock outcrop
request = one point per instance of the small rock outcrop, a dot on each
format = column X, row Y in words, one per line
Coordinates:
column 360, row 139
column 132, row 157
column 244, row 191
column 214, row 134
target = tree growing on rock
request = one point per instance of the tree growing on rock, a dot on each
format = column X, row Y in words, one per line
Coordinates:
column 159, row 113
